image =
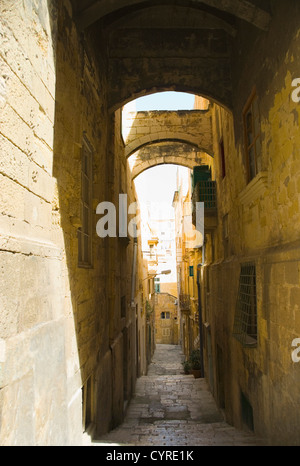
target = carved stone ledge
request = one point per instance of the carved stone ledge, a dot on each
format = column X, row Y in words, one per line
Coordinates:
column 254, row 189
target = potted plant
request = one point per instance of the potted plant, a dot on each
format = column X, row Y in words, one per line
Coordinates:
column 195, row 362
column 186, row 367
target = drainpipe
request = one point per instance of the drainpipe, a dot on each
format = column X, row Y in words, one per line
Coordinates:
column 134, row 267
column 200, row 319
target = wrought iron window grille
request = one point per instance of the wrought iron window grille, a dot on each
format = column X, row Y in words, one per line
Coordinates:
column 245, row 321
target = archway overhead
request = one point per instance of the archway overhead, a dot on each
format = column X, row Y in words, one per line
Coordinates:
column 190, row 126
column 182, row 45
column 91, row 11
column 173, row 138
column 182, row 17
column 158, row 88
column 167, row 152
column 137, row 77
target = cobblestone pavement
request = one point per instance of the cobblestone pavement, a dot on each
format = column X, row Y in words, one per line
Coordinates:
column 170, row 408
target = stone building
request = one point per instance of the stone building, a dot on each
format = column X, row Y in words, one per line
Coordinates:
column 189, row 255
column 166, row 319
column 73, row 319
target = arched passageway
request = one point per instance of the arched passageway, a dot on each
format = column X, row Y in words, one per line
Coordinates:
column 191, row 126
column 142, row 61
column 170, row 152
column 76, row 328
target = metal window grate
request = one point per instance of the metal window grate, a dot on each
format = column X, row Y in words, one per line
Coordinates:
column 205, row 191
column 245, row 322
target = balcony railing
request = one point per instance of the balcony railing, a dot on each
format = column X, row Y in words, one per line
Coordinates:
column 206, row 192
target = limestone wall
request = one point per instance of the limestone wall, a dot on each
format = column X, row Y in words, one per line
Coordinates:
column 33, row 387
column 193, row 127
column 166, row 319
column 166, row 153
column 263, row 227
column 64, row 327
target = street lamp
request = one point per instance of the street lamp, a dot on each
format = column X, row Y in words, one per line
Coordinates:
column 164, row 272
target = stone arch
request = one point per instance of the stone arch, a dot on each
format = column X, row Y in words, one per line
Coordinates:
column 192, row 127
column 162, row 153
column 185, row 47
column 240, row 9
column 214, row 92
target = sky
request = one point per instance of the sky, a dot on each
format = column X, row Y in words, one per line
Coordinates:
column 158, row 184
column 166, row 101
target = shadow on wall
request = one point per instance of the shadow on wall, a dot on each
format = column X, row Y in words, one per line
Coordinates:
column 80, row 140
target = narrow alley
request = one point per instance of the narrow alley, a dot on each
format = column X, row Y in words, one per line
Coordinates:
column 170, row 408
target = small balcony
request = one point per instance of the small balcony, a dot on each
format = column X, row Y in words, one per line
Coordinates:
column 206, row 192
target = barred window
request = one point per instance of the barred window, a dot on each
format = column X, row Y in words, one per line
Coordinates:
column 245, row 321
column 85, row 231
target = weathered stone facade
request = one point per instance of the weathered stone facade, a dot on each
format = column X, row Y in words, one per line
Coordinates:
column 257, row 223
column 192, row 127
column 166, row 319
column 171, row 152
column 33, row 366
column 68, row 332
column 266, row 373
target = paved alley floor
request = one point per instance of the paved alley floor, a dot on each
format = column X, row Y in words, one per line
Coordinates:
column 173, row 409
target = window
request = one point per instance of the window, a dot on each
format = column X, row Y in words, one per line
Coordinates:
column 85, row 231
column 123, row 306
column 191, row 270
column 151, row 250
column 252, row 136
column 157, row 285
column 245, row 322
column 225, row 235
column 165, row 315
column 207, row 280
column 149, row 286
column 222, row 158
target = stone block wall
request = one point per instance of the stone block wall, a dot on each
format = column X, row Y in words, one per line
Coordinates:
column 61, row 325
column 193, row 127
column 166, row 325
column 263, row 227
column 171, row 152
column 33, row 386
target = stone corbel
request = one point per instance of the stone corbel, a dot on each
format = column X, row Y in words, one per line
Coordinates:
column 254, row 189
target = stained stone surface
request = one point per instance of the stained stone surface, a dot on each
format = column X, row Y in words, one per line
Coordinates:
column 171, row 408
